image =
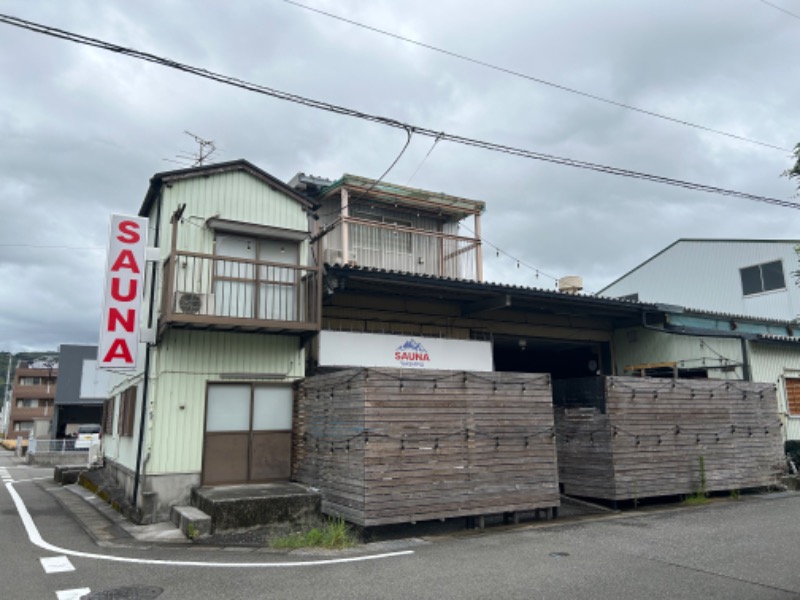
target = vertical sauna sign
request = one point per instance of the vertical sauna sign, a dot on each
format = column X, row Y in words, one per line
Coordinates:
column 122, row 295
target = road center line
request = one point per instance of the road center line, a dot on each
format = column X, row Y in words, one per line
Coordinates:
column 36, row 539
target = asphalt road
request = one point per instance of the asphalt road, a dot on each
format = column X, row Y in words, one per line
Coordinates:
column 747, row 549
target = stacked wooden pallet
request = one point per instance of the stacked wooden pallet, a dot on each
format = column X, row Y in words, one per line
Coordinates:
column 393, row 445
column 657, row 437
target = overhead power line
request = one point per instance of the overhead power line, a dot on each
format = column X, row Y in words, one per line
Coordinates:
column 557, row 86
column 422, row 131
column 775, row 6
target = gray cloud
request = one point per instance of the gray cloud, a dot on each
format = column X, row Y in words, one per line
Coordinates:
column 84, row 130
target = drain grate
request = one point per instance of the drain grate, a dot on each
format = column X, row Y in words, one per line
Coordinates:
column 131, row 592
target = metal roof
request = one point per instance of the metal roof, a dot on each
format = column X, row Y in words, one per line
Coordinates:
column 467, row 291
column 407, row 196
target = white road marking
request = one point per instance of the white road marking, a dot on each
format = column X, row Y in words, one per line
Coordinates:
column 56, row 564
column 36, row 539
column 75, row 594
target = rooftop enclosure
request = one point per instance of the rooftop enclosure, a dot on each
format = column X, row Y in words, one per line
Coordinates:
column 627, row 438
column 386, row 226
column 398, row 446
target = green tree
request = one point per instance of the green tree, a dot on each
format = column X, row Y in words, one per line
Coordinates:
column 794, row 172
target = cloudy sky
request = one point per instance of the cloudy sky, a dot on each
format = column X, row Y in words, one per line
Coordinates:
column 82, row 130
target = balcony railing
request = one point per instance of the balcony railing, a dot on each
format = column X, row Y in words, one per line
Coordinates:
column 35, row 391
column 30, row 413
column 400, row 248
column 220, row 292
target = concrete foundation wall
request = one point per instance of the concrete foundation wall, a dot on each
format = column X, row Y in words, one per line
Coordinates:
column 157, row 493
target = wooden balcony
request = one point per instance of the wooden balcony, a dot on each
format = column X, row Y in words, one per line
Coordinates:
column 203, row 291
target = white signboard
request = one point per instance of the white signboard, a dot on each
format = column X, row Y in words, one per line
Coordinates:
column 347, row 349
column 122, row 295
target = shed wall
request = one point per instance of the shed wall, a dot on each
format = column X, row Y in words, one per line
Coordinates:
column 393, row 446
column 660, row 437
column 775, row 363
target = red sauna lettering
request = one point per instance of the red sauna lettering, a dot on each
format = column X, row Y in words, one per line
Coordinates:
column 411, row 356
column 119, row 349
column 122, row 307
column 117, row 295
column 125, row 260
column 130, row 231
column 115, row 316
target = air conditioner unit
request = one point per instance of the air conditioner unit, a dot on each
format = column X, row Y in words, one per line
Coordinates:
column 192, row 303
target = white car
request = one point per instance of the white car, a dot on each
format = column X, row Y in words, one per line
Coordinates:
column 87, row 436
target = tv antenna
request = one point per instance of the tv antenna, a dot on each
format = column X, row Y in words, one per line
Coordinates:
column 205, row 148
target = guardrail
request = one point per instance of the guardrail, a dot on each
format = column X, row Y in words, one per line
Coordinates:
column 56, row 451
column 41, row 446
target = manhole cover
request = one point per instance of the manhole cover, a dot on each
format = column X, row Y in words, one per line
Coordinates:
column 132, row 592
column 553, row 554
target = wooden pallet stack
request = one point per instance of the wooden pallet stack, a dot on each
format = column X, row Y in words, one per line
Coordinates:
column 396, row 446
column 651, row 437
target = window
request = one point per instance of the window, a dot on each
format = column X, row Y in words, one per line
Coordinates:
column 127, row 412
column 28, row 403
column 793, row 396
column 23, row 426
column 31, row 381
column 629, row 297
column 762, row 278
column 108, row 416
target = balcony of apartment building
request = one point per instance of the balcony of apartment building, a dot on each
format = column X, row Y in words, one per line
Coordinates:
column 386, row 226
column 31, row 413
column 253, row 281
column 43, row 390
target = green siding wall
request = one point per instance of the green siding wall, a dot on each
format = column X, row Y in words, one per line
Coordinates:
column 638, row 346
column 183, row 364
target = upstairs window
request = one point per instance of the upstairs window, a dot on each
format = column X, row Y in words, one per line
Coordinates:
column 763, row 278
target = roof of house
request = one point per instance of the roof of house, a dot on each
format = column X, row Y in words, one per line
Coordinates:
column 479, row 296
column 694, row 240
column 407, row 196
column 159, row 179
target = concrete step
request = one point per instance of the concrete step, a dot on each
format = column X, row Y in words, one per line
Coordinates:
column 192, row 521
column 243, row 506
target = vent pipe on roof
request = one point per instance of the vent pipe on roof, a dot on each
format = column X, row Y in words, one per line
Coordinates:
column 571, row 284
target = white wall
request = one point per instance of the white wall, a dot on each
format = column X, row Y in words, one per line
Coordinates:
column 704, row 274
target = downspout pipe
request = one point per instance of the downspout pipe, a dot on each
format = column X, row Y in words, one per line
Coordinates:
column 697, row 332
column 146, row 384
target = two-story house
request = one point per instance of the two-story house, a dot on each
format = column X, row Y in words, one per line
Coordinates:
column 235, row 298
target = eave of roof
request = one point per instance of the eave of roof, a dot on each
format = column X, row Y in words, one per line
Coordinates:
column 416, row 197
column 456, row 286
column 159, row 179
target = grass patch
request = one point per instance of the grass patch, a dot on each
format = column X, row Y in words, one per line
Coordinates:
column 701, row 495
column 695, row 500
column 334, row 534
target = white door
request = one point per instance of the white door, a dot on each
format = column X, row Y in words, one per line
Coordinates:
column 234, row 287
column 277, row 286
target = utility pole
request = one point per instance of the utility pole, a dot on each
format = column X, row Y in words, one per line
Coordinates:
column 7, row 397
